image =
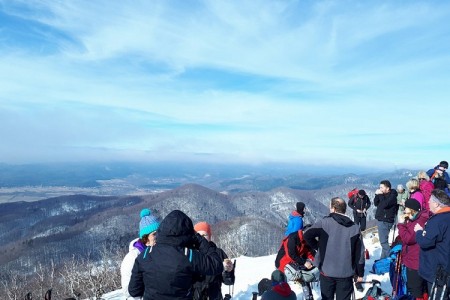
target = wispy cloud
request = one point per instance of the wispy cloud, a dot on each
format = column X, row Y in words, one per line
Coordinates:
column 335, row 81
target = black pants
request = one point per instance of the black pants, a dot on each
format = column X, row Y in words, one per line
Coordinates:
column 360, row 219
column 416, row 285
column 342, row 287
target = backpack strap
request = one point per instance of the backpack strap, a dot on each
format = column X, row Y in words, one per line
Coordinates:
column 188, row 252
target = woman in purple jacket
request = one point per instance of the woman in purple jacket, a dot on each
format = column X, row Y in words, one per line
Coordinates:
column 414, row 214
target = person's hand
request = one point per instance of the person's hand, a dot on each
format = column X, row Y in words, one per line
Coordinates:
column 359, row 279
column 417, row 227
column 378, row 192
column 227, row 265
column 308, row 265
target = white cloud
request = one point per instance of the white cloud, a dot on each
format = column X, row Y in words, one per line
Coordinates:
column 318, row 81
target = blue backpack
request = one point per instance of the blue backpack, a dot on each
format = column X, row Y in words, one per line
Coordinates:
column 382, row 266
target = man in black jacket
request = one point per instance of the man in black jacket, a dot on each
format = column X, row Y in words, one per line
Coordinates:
column 386, row 202
column 167, row 270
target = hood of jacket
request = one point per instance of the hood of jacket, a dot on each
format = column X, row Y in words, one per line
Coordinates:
column 283, row 289
column 342, row 220
column 176, row 229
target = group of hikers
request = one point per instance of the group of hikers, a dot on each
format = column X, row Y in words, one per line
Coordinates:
column 183, row 263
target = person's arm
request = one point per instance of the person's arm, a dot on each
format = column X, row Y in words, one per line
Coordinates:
column 310, row 236
column 427, row 240
column 367, row 202
column 206, row 260
column 377, row 200
column 292, row 243
column 359, row 258
column 125, row 270
column 351, row 203
column 407, row 234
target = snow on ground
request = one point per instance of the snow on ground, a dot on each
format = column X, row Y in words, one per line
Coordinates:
column 250, row 270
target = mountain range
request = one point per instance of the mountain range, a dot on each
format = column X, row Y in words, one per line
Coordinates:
column 248, row 214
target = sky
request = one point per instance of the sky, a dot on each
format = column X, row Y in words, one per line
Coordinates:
column 362, row 83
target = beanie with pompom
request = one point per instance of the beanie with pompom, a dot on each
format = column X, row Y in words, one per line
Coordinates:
column 148, row 223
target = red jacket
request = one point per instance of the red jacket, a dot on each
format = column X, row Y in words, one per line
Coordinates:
column 410, row 248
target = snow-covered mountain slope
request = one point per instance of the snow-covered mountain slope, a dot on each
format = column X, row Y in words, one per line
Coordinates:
column 250, row 270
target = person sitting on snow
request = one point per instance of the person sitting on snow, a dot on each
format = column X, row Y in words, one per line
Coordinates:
column 280, row 288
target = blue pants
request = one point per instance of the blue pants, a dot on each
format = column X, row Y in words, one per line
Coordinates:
column 383, row 234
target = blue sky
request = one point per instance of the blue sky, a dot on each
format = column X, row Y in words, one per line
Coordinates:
column 362, row 83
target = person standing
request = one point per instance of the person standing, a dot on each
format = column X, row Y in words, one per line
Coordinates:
column 434, row 238
column 340, row 253
column 439, row 171
column 147, row 238
column 386, row 202
column 360, row 203
column 210, row 287
column 413, row 214
column 167, row 270
column 425, row 186
column 402, row 196
column 295, row 221
column 413, row 187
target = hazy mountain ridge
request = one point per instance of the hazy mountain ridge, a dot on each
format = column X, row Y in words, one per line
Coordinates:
column 59, row 227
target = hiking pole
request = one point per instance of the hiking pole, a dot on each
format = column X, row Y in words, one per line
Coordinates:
column 398, row 267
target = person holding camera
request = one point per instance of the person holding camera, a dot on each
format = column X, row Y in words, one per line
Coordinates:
column 167, row 270
column 413, row 214
column 210, row 287
column 386, row 203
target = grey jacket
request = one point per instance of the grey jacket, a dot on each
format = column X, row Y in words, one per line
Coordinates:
column 340, row 247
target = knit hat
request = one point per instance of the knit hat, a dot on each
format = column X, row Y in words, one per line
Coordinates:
column 443, row 164
column 412, row 204
column 300, row 207
column 203, row 226
column 362, row 193
column 278, row 277
column 148, row 223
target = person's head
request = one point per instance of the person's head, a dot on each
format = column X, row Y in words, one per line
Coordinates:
column 361, row 193
column 412, row 207
column 443, row 164
column 148, row 226
column 422, row 175
column 385, row 186
column 204, row 229
column 439, row 199
column 338, row 205
column 300, row 207
column 400, row 188
column 412, row 184
column 440, row 183
column 278, row 277
column 176, row 229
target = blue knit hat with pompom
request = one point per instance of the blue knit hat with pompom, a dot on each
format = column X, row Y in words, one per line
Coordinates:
column 148, row 223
